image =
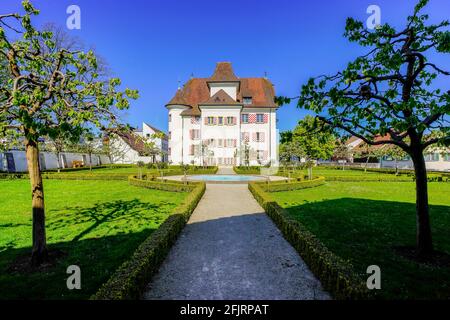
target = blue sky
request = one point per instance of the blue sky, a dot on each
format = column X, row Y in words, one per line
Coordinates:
column 151, row 45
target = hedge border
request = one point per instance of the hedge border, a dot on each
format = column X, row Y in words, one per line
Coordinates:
column 292, row 184
column 129, row 280
column 92, row 175
column 336, row 275
column 171, row 185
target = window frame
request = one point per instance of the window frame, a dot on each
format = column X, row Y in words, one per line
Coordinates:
column 247, row 100
column 260, row 115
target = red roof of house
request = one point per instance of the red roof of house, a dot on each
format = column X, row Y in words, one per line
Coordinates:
column 133, row 141
column 196, row 91
column 224, row 72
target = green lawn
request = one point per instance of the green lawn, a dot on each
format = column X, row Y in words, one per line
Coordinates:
column 98, row 224
column 364, row 221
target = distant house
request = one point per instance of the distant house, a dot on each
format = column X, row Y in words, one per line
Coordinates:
column 436, row 159
column 130, row 147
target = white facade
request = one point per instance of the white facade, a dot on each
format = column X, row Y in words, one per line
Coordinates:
column 16, row 161
column 129, row 150
column 212, row 122
column 436, row 159
column 228, row 140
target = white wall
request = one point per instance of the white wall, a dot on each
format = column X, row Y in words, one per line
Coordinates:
column 270, row 135
column 176, row 134
column 124, row 154
column 51, row 161
column 229, row 87
column 221, row 131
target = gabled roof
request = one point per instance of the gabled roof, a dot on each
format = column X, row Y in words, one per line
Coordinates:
column 178, row 98
column 133, row 141
column 196, row 91
column 155, row 129
column 224, row 72
column 220, row 98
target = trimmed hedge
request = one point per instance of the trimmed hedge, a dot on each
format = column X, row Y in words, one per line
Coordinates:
column 433, row 176
column 131, row 278
column 174, row 186
column 62, row 176
column 290, row 185
column 336, row 275
column 247, row 170
column 369, row 179
column 92, row 175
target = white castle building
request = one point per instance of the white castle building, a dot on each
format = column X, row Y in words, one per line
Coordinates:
column 223, row 120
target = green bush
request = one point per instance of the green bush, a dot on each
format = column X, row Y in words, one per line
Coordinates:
column 336, row 275
column 290, row 185
column 247, row 170
column 153, row 183
column 132, row 276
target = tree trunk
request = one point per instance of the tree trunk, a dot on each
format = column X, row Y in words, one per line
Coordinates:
column 90, row 161
column 39, row 252
column 310, row 171
column 58, row 156
column 396, row 167
column 423, row 235
column 367, row 163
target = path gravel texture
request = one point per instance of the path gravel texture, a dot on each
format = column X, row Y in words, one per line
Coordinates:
column 230, row 249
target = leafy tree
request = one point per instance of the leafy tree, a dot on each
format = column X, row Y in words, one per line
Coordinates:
column 42, row 84
column 342, row 152
column 57, row 145
column 203, row 152
column 285, row 136
column 395, row 153
column 90, row 144
column 140, row 165
column 315, row 139
column 290, row 154
column 389, row 92
column 151, row 147
column 368, row 152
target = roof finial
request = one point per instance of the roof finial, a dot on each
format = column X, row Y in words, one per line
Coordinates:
column 179, row 84
column 192, row 75
column 265, row 74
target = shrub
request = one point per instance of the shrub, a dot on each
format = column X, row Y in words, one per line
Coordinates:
column 153, row 183
column 247, row 170
column 290, row 185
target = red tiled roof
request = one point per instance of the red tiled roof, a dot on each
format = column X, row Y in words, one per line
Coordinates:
column 224, row 72
column 196, row 91
column 134, row 141
column 178, row 98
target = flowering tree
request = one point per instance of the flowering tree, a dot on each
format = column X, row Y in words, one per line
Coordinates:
column 389, row 92
column 46, row 92
column 316, row 140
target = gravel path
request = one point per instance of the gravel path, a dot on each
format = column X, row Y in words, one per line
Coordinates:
column 230, row 249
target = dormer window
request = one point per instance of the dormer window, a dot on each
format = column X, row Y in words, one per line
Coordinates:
column 247, row 100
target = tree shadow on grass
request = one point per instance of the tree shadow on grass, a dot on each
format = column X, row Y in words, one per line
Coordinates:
column 98, row 239
column 116, row 216
column 97, row 258
column 367, row 232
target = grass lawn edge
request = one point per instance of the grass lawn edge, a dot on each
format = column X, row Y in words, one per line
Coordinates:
column 131, row 278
